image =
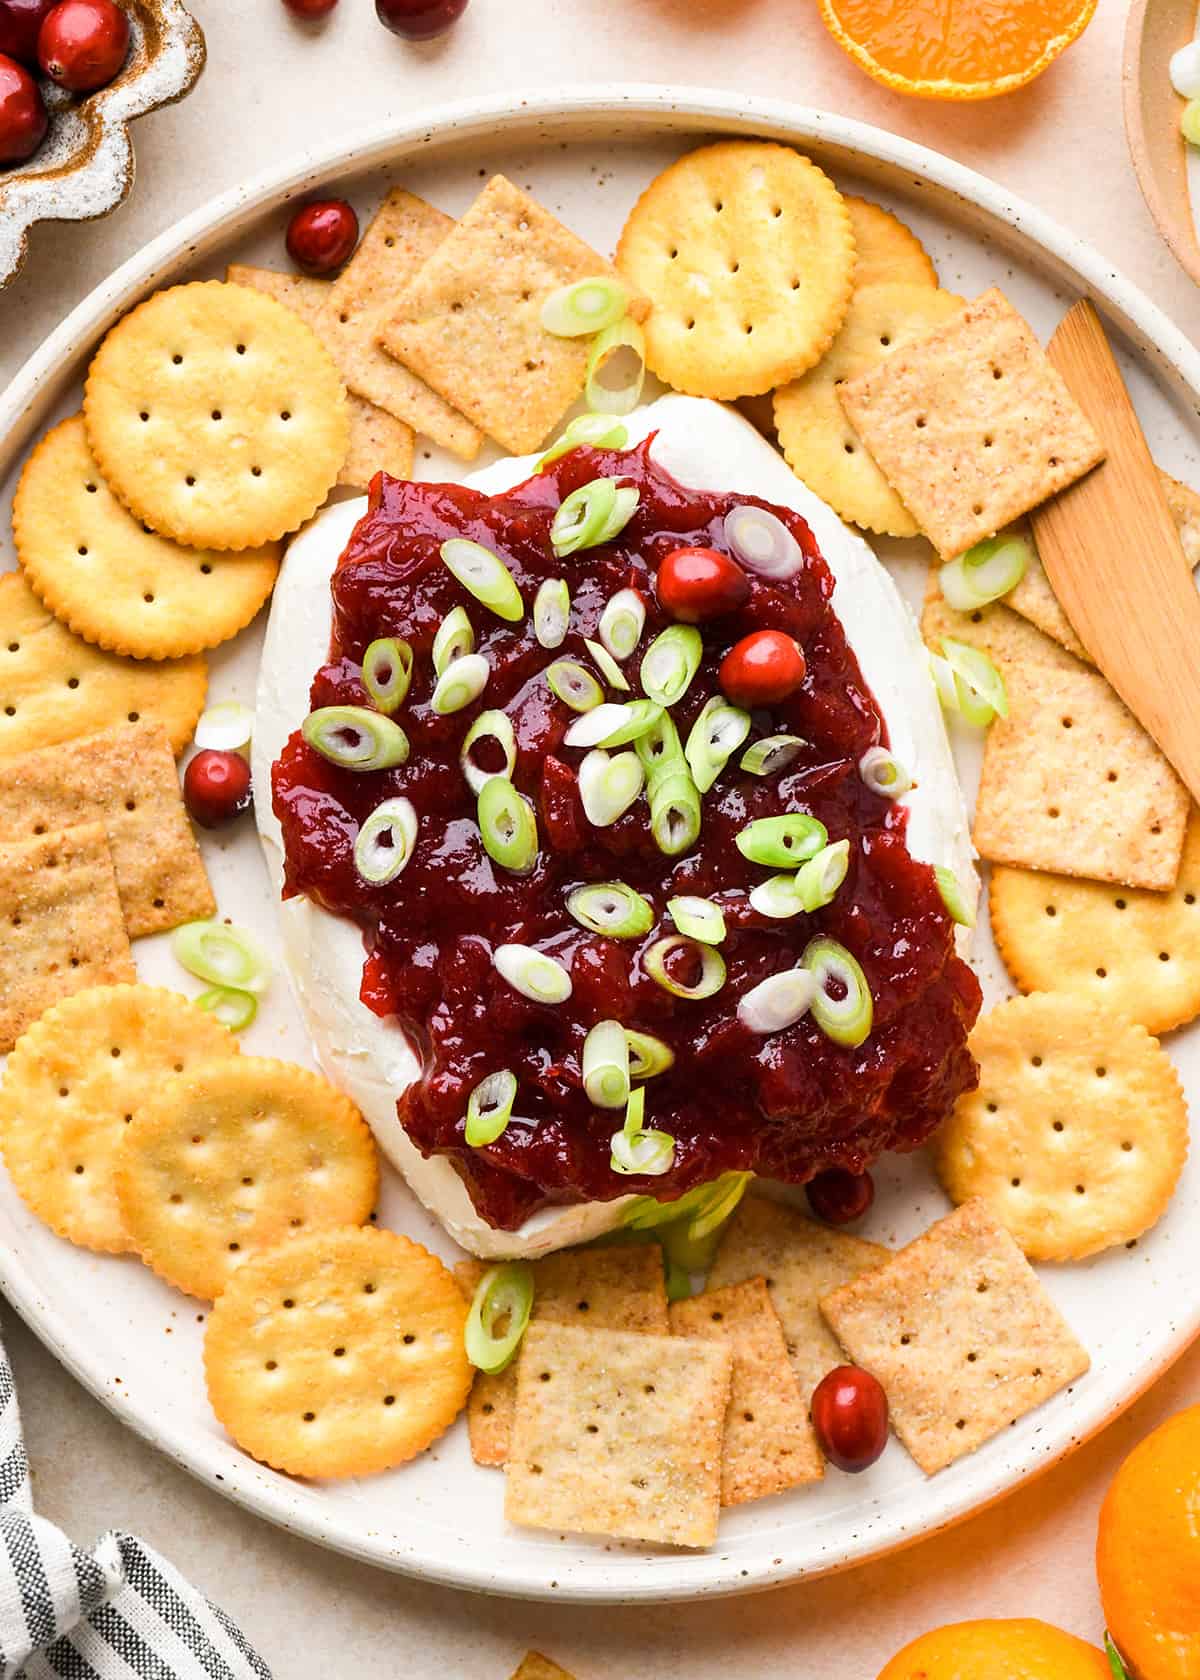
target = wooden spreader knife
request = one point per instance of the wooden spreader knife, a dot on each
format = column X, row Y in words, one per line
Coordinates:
column 1113, row 555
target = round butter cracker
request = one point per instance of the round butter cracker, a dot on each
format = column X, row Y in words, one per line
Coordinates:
column 745, row 249
column 1078, row 1132
column 886, row 251
column 340, row 1354
column 217, row 416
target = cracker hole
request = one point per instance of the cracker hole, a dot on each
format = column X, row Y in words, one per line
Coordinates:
column 216, row 413
column 79, row 1169
column 582, row 1306
column 271, row 1365
column 1053, row 460
column 1156, row 828
column 543, row 1376
column 905, row 1340
column 1036, row 1061
column 289, row 1302
column 389, row 1399
column 487, row 1408
column 593, row 1429
column 748, row 1417
column 176, row 1197
column 1068, row 723
column 409, row 1339
column 235, row 1248
column 177, row 359
column 884, row 339
column 285, row 414
column 981, row 1288
column 971, row 1358
column 987, row 442
column 72, row 682
column 82, row 549
column 997, row 373
column 1079, row 1190
column 718, row 205
column 977, row 509
column 749, row 328
column 921, row 422
column 190, row 481
column 14, row 647
column 339, row 1353
column 148, row 597
column 777, row 211
column 649, row 1389
column 718, row 1317
column 961, row 1423
column 1101, row 1073
column 1058, row 1125
column 1102, row 974
column 1015, row 1182
column 1120, row 903
column 690, row 324
column 1189, row 898
column 144, row 416
column 368, row 1289
column 205, row 568
column 115, row 1051
column 310, row 1417
column 849, row 448
column 10, row 711
column 1164, row 956
column 796, row 285
column 991, row 1108
column 1053, row 811
column 1127, row 1147
column 64, row 1090
column 256, row 472
column 389, row 241
column 241, row 349
column 345, row 319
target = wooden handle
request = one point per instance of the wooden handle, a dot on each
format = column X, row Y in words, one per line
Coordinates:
column 1112, row 552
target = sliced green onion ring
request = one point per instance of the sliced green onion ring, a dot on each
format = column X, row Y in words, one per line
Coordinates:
column 585, row 307
column 763, row 542
column 354, row 738
column 552, row 612
column 583, row 516
column 574, row 685
column 225, row 727
column 698, row 918
column 659, row 748
column 385, row 842
column 648, row 1056
column 622, row 623
column 818, row 880
column 778, row 898
column 611, row 908
column 489, row 1108
column 945, row 682
column 387, row 668
column 488, row 726
column 606, row 1065
column 507, row 826
column 671, row 662
column 772, row 754
column 675, row 811
column 714, row 738
column 720, row 1202
column 609, row 669
column 613, row 725
column 777, row 842
column 485, row 576
column 462, row 682
column 635, row 1150
column 712, row 967
column 957, row 904
column 778, row 1002
column 532, row 973
column 608, row 786
column 222, row 955
column 846, row 1014
column 677, row 1280
column 986, row 572
column 596, row 431
column 499, row 1316
column 234, row 1009
column 616, row 368
column 976, row 670
column 884, row 774
column 455, row 637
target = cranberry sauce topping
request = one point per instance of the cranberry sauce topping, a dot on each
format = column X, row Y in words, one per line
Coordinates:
column 787, row 1104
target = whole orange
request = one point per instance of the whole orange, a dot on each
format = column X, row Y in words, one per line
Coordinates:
column 997, row 1650
column 1148, row 1553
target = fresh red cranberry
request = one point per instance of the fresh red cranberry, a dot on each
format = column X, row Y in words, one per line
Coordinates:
column 83, row 44
column 310, row 9
column 840, row 1197
column 695, row 584
column 850, row 1416
column 419, row 20
column 762, row 669
column 20, row 21
column 322, row 236
column 216, row 787
column 23, row 118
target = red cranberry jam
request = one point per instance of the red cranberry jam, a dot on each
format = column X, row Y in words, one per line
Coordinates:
column 788, row 1103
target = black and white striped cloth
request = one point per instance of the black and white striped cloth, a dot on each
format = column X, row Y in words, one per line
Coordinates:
column 118, row 1613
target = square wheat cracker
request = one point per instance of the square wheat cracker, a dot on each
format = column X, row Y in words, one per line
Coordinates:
column 769, row 1443
column 62, row 924
column 124, row 778
column 470, row 321
column 961, row 1334
column 618, row 1434
column 618, row 1288
column 971, row 424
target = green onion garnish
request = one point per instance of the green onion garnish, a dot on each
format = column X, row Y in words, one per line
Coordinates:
column 597, row 431
column 714, row 738
column 462, row 682
column 616, row 368
column 846, row 1014
column 648, row 1056
column 532, row 973
column 225, row 727
column 552, row 612
column 984, row 573
column 622, row 623
column 384, row 843
column 946, row 684
column 646, row 1213
column 699, row 918
column 486, row 576
column 593, row 514
column 778, row 1002
column 489, row 1108
column 718, row 1204
column 504, row 1297
column 613, row 725
column 222, row 955
column 712, row 967
column 488, row 726
column 780, row 841
column 611, row 908
column 354, row 738
column 772, row 754
column 953, row 896
column 677, row 1280
column 635, row 1150
column 454, row 638
column 606, row 1065
column 507, row 826
column 609, row 669
column 574, row 685
column 387, row 669
column 584, row 307
column 659, row 749
column 778, row 898
column 233, row 1008
column 763, row 542
column 674, row 811
column 608, row 786
column 818, row 880
column 883, row 773
column 671, row 662
column 975, row 671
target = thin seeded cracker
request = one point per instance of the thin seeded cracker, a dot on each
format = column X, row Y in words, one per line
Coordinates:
column 961, row 1334
column 769, row 1444
column 618, row 1288
column 62, row 924
column 618, row 1434
column 124, row 778
column 971, row 424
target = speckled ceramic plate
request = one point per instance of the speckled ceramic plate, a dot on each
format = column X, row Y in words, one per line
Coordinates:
column 586, row 154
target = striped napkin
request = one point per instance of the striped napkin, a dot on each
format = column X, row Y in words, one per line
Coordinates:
column 118, row 1613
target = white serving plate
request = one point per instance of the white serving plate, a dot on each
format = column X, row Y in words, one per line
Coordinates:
column 136, row 1344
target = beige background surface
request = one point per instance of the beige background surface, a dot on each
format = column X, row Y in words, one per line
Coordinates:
column 270, row 86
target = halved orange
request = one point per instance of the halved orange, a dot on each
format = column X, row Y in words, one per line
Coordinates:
column 955, row 49
column 997, row 1650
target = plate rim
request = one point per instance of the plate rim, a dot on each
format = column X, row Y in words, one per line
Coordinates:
column 651, row 109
